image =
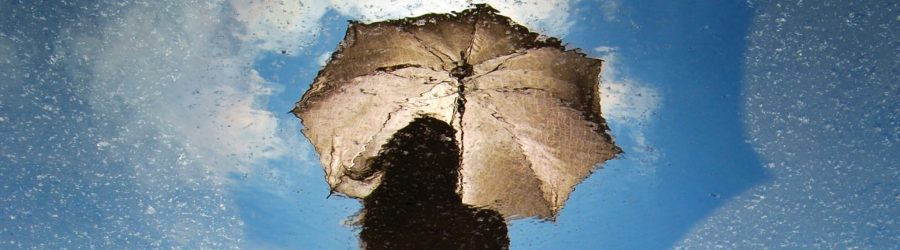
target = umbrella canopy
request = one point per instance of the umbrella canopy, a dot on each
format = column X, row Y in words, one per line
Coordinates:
column 526, row 111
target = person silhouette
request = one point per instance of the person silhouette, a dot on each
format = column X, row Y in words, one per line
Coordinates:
column 416, row 205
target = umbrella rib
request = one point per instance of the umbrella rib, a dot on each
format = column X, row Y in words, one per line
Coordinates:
column 468, row 53
column 522, row 89
column 399, row 67
column 392, row 68
column 462, row 133
column 430, row 49
column 362, row 175
column 461, row 100
column 500, row 65
column 332, row 153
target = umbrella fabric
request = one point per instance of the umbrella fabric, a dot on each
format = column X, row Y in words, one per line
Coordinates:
column 526, row 111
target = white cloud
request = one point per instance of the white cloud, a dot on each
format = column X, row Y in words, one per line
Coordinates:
column 378, row 10
column 629, row 105
column 323, row 58
column 624, row 99
column 610, row 9
column 549, row 17
column 291, row 25
column 192, row 84
column 279, row 24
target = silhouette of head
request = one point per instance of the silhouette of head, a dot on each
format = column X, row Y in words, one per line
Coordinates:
column 421, row 161
column 416, row 206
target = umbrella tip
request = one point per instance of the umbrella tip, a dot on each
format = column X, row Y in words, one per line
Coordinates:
column 295, row 110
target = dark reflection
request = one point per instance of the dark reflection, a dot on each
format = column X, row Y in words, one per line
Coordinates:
column 416, row 206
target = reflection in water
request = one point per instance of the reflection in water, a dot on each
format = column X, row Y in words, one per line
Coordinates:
column 416, row 206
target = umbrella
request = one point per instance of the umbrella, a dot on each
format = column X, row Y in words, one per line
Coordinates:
column 526, row 111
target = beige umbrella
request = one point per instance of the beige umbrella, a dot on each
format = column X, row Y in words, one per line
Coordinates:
column 525, row 110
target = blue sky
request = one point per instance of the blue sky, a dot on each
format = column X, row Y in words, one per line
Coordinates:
column 745, row 124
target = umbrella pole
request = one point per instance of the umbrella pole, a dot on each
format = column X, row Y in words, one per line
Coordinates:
column 416, row 206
